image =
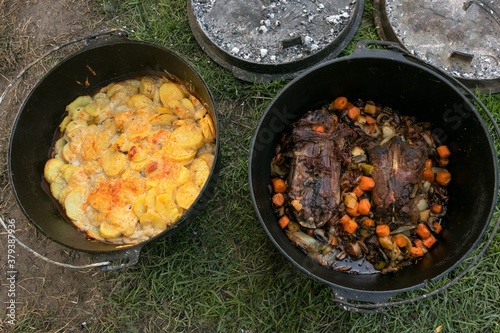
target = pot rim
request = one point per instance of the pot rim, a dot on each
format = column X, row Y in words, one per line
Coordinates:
column 344, row 294
column 205, row 192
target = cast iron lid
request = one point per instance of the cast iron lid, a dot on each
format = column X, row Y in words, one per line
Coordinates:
column 461, row 37
column 264, row 40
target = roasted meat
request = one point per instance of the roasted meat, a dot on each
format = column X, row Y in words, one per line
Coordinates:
column 397, row 169
column 314, row 169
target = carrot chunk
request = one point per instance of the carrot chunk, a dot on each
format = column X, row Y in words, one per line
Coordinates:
column 443, row 151
column 382, row 230
column 353, row 112
column 370, row 120
column 366, row 183
column 423, row 231
column 344, row 218
column 443, row 162
column 443, row 178
column 400, row 240
column 368, row 223
column 350, row 226
column 353, row 211
column 318, row 128
column 278, row 199
column 279, row 185
column 428, row 163
column 437, row 208
column 359, row 192
column 283, row 221
column 428, row 175
column 429, row 242
column 339, row 103
column 416, row 252
column 364, row 207
column 437, row 227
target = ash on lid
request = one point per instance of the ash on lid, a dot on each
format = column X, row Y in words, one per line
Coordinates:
column 462, row 37
column 272, row 32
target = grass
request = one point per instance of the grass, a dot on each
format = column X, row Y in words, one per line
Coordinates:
column 221, row 273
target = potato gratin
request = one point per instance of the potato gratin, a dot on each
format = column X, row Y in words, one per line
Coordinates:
column 131, row 159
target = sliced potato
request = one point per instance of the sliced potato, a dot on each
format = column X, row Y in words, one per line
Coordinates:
column 170, row 91
column 208, row 128
column 78, row 103
column 108, row 230
column 131, row 159
column 148, row 87
column 200, row 171
column 153, row 219
column 140, row 207
column 138, row 101
column 186, row 194
column 187, row 136
column 167, row 208
column 113, row 162
column 73, row 203
column 52, row 169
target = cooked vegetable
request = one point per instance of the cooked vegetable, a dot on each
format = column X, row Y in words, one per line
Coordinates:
column 278, row 199
column 428, row 175
column 423, row 231
column 357, row 191
column 368, row 223
column 283, row 221
column 443, row 162
column 350, row 226
column 437, row 227
column 353, row 112
column 429, row 241
column 400, row 240
column 370, row 108
column 364, row 207
column 353, row 211
column 339, row 103
column 443, row 178
column 437, row 208
column 366, row 183
column 428, row 163
column 383, row 230
column 279, row 185
column 129, row 165
column 318, row 128
column 416, row 252
column 351, row 200
column 443, row 151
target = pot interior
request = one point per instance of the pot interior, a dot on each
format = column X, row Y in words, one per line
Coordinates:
column 412, row 90
column 82, row 74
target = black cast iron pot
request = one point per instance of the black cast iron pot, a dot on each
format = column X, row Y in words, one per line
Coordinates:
column 83, row 73
column 389, row 78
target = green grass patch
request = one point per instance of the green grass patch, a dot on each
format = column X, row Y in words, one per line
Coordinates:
column 221, row 273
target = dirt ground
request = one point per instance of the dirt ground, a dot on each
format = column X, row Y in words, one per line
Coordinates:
column 35, row 295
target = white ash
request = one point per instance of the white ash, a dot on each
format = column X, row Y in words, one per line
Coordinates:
column 452, row 27
column 246, row 28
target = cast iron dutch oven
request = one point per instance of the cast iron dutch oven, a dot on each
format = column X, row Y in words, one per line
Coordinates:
column 82, row 73
column 389, row 78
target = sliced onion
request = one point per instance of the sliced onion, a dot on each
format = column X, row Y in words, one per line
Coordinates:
column 422, row 205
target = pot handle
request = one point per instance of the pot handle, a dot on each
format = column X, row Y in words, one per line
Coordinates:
column 371, row 304
column 120, row 259
column 362, row 49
